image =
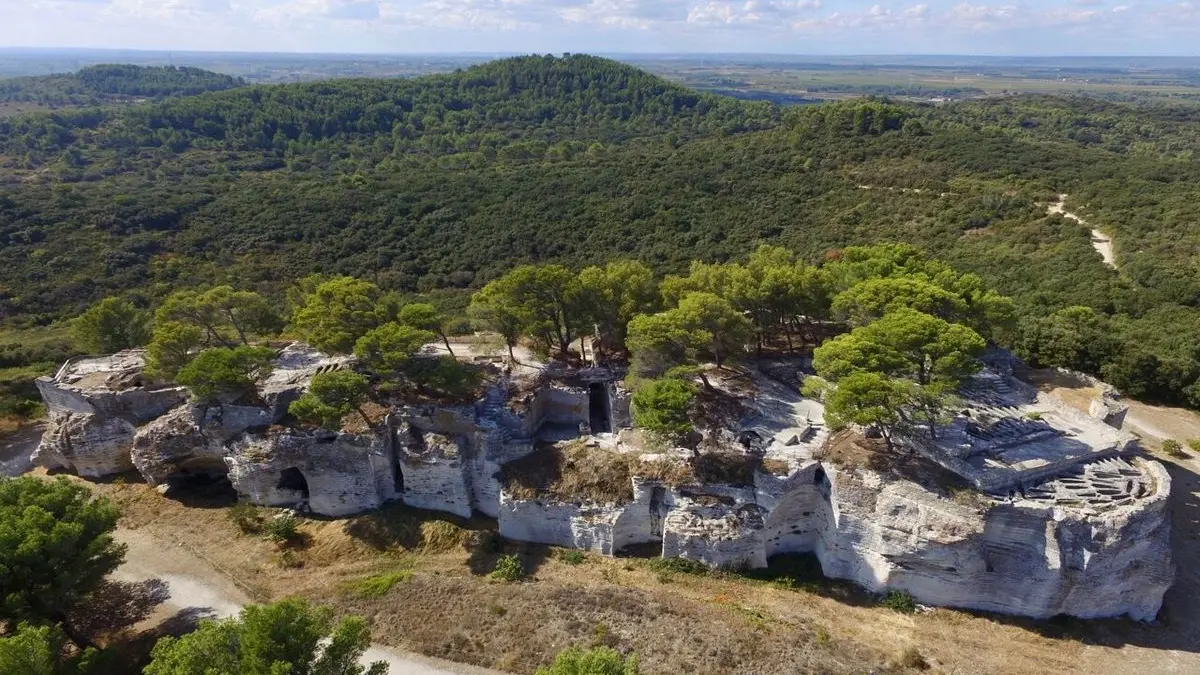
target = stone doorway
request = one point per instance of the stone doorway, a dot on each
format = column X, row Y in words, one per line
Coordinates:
column 599, row 408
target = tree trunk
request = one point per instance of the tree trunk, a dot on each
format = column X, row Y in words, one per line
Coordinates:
column 707, row 384
column 446, row 340
column 241, row 333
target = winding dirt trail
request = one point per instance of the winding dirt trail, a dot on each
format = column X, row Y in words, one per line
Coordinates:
column 1100, row 241
column 197, row 587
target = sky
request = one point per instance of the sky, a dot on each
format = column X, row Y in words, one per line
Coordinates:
column 1040, row 27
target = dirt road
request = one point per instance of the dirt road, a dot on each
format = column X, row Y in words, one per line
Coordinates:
column 199, row 588
column 1100, row 241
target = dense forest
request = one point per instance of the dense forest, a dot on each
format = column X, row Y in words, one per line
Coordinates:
column 440, row 184
column 102, row 84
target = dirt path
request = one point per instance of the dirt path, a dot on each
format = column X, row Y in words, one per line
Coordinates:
column 1100, row 241
column 198, row 588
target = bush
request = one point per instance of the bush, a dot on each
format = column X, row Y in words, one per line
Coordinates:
column 247, row 517
column 282, row 530
column 899, row 601
column 572, row 557
column 678, row 565
column 595, row 661
column 1172, row 448
column 379, row 585
column 508, row 568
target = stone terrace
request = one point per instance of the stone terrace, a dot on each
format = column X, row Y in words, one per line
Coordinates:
column 1007, row 434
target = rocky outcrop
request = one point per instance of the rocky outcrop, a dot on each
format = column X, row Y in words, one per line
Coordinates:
column 328, row 473
column 434, row 471
column 1018, row 556
column 717, row 535
column 601, row 528
column 87, row 444
column 191, row 439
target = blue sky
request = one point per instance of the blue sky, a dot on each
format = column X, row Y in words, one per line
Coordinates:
column 1047, row 27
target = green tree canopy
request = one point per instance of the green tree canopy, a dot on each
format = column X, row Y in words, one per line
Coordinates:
column 43, row 650
column 662, row 407
column 425, row 317
column 869, row 399
column 1073, row 337
column 726, row 327
column 226, row 316
column 390, row 348
column 224, row 371
column 289, row 637
column 338, row 311
column 545, row 299
column 869, row 300
column 659, row 342
column 496, row 309
column 612, row 295
column 109, row 326
column 904, row 343
column 172, row 348
column 330, row 397
column 56, row 546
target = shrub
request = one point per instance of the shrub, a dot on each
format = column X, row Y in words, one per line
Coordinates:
column 508, row 568
column 1194, row 444
column 595, row 661
column 1172, row 448
column 899, row 601
column 378, row 586
column 283, row 529
column 678, row 565
column 572, row 557
column 247, row 517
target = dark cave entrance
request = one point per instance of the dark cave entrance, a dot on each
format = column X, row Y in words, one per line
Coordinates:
column 599, row 408
column 293, row 479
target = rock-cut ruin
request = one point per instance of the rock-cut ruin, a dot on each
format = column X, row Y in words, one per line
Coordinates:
column 1020, row 505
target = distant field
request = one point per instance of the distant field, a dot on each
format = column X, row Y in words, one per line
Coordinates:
column 840, row 81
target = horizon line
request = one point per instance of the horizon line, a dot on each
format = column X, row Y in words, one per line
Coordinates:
column 60, row 49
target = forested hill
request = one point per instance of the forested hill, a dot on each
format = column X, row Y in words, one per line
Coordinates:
column 439, row 184
column 104, row 84
column 527, row 101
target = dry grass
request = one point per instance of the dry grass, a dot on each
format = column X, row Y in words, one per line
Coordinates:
column 694, row 624
column 670, row 471
column 572, row 473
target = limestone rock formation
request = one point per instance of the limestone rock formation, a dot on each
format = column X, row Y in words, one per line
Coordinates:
column 90, row 445
column 328, row 473
column 191, row 439
column 1019, row 505
column 95, row 404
